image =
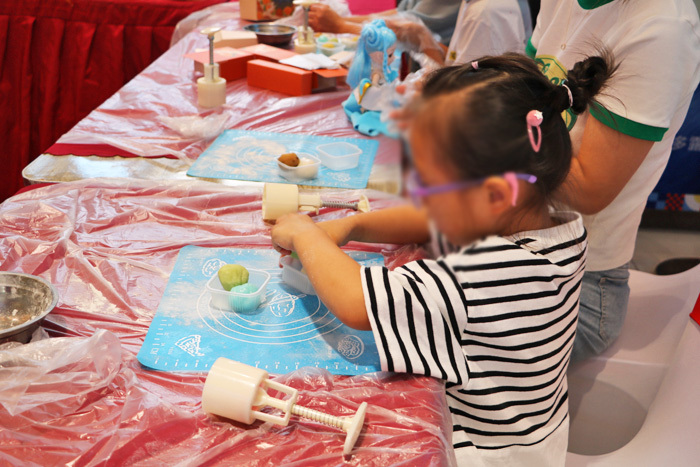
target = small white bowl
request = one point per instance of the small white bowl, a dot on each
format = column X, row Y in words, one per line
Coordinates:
column 307, row 168
column 339, row 155
column 292, row 275
column 239, row 302
column 330, row 48
column 349, row 41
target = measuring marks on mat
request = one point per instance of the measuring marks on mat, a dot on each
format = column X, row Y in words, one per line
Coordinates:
column 289, row 329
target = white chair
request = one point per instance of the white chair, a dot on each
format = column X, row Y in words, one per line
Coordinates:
column 638, row 404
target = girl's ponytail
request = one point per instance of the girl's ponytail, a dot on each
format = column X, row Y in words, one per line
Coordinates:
column 586, row 79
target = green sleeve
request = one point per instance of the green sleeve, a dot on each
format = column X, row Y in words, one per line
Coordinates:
column 530, row 49
column 627, row 126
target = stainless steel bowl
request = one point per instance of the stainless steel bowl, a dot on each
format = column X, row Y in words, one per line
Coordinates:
column 272, row 34
column 25, row 300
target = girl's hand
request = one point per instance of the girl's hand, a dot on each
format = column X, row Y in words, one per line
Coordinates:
column 334, row 275
column 288, row 227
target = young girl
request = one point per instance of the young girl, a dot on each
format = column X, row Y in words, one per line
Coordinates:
column 494, row 315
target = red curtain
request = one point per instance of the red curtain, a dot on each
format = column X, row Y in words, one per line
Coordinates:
column 59, row 59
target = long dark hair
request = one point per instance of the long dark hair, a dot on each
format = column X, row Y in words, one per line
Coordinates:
column 490, row 99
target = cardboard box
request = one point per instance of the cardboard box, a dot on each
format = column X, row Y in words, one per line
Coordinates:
column 325, row 78
column 235, row 39
column 280, row 78
column 263, row 10
column 268, row 52
column 232, row 62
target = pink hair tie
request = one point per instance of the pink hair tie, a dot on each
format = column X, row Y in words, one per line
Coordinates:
column 475, row 65
column 534, row 119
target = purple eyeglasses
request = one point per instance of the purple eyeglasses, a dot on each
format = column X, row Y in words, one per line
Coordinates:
column 417, row 190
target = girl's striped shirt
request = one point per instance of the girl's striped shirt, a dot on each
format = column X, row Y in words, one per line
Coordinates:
column 496, row 321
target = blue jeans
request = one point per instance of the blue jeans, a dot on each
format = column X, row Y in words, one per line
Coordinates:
column 604, row 298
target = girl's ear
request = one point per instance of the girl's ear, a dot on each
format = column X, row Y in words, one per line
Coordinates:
column 499, row 194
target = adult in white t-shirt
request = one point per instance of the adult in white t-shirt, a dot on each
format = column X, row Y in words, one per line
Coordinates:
column 620, row 152
column 489, row 27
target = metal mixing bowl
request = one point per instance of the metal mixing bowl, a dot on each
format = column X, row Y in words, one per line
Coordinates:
column 25, row 300
column 272, row 34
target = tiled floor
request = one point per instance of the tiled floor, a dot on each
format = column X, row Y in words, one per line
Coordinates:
column 656, row 245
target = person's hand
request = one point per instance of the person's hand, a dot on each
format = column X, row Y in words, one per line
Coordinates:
column 323, row 18
column 414, row 36
column 288, row 227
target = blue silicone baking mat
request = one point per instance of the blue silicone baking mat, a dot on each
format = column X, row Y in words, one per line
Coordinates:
column 252, row 156
column 288, row 331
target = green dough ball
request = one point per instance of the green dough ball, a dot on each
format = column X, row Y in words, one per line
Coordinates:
column 232, row 275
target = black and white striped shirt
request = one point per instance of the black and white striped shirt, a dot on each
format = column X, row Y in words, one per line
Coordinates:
column 495, row 320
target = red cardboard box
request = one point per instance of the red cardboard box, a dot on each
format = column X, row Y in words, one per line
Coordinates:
column 262, row 10
column 325, row 78
column 268, row 52
column 280, row 78
column 232, row 62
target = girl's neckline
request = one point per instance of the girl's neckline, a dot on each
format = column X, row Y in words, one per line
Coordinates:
column 592, row 4
column 561, row 220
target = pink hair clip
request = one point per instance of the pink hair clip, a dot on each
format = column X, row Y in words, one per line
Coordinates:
column 534, row 119
column 475, row 65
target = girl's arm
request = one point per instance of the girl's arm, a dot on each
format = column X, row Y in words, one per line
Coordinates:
column 334, row 275
column 606, row 161
column 398, row 225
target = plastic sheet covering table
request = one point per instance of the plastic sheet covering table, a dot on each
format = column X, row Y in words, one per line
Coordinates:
column 81, row 398
column 133, row 123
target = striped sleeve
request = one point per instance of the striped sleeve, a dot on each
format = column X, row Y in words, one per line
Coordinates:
column 417, row 313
